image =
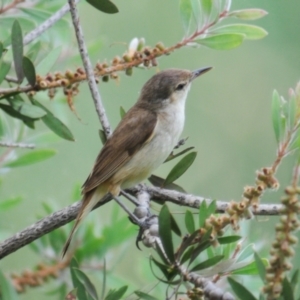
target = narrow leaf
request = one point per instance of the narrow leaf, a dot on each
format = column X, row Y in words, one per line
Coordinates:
column 250, row 32
column 81, row 292
column 54, row 123
column 105, row 6
column 276, row 115
column 206, row 7
column 32, row 157
column 292, row 110
column 172, row 156
column 4, row 69
column 187, row 255
column 26, row 109
column 145, row 296
column 240, row 290
column 15, row 114
column 122, row 112
column 207, row 263
column 229, row 239
column 186, row 11
column 174, row 226
column 7, row 290
column 90, row 288
column 159, row 182
column 9, row 203
column 202, row 213
column 180, row 168
column 29, row 71
column 102, row 136
column 248, row 268
column 189, row 221
column 223, row 41
column 163, row 268
column 164, row 222
column 33, row 51
column 199, row 249
column 248, row 14
column 287, row 291
column 260, row 266
column 117, row 294
column 17, row 49
column 1, row 49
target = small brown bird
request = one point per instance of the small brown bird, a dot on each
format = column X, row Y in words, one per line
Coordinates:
column 142, row 141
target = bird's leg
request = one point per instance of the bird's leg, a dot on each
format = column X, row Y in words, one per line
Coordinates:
column 130, row 198
column 131, row 215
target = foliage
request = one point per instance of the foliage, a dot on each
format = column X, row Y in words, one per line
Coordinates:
column 184, row 254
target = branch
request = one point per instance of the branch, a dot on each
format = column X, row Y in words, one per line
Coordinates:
column 69, row 213
column 46, row 24
column 10, row 6
column 89, row 70
column 17, row 145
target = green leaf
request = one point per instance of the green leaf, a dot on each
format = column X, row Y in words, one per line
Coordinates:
column 159, row 182
column 7, row 290
column 4, row 69
column 260, row 266
column 164, row 223
column 90, row 288
column 144, row 296
column 248, row 14
column 172, row 156
column 276, row 115
column 240, row 290
column 102, row 136
column 186, row 11
column 187, row 255
column 180, row 167
column 9, row 203
column 207, row 263
column 196, row 10
column 163, row 268
column 199, row 249
column 17, row 49
column 287, row 291
column 229, row 239
column 248, row 269
column 15, row 114
column 54, row 124
column 116, row 294
column 122, row 112
column 105, row 6
column 32, row 157
column 189, row 221
column 206, row 7
column 81, row 291
column 294, row 280
column 292, row 111
column 26, row 109
column 29, row 71
column 203, row 213
column 250, row 32
column 222, row 41
column 174, row 226
column 48, row 62
column 1, row 49
column 246, row 252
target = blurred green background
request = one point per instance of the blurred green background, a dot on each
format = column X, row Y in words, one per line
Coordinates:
column 228, row 115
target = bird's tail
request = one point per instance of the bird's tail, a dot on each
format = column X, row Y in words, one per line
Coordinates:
column 89, row 200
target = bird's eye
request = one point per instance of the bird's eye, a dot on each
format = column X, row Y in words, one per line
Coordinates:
column 180, row 86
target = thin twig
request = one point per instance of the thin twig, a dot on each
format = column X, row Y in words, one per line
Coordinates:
column 10, row 6
column 89, row 70
column 69, row 213
column 17, row 145
column 46, row 24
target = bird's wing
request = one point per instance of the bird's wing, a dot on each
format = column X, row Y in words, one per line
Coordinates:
column 135, row 129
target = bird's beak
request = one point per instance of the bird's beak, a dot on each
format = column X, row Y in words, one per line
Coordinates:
column 199, row 72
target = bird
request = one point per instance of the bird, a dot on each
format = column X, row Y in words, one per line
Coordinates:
column 141, row 142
